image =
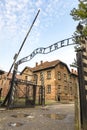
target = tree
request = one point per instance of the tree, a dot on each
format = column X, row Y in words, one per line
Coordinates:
column 80, row 14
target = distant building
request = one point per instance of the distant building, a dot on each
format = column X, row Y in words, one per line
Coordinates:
column 1, row 72
column 5, row 82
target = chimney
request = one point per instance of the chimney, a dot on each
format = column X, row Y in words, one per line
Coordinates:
column 72, row 70
column 41, row 62
column 36, row 64
column 75, row 72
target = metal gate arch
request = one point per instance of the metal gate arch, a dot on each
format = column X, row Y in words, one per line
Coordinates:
column 82, row 73
column 42, row 50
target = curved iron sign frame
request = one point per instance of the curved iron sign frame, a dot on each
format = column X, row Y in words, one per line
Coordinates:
column 46, row 50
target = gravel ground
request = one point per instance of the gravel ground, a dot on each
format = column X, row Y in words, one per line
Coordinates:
column 52, row 117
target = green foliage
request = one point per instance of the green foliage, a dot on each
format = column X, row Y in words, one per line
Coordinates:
column 80, row 14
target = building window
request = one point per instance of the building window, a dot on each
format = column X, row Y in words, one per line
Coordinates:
column 35, row 77
column 48, row 74
column 70, row 78
column 65, row 77
column 65, row 90
column 59, row 89
column 71, row 90
column 59, row 75
column 48, row 89
column 41, row 76
column 26, row 77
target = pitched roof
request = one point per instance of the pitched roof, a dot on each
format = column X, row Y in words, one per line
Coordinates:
column 29, row 68
column 46, row 65
column 2, row 72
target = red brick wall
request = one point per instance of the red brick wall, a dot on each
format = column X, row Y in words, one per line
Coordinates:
column 67, row 88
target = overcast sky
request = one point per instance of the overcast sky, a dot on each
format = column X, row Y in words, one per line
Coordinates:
column 53, row 24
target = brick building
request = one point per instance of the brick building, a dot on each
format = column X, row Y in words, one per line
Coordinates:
column 5, row 82
column 59, row 82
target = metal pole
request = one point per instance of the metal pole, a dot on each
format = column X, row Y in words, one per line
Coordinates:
column 16, row 55
column 83, row 102
column 42, row 90
column 12, row 88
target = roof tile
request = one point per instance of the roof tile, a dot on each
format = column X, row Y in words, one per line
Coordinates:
column 46, row 65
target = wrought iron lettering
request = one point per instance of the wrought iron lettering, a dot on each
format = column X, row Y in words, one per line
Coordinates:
column 62, row 43
column 48, row 49
column 56, row 46
column 40, row 50
column 37, row 51
column 43, row 50
column 67, row 41
column 31, row 56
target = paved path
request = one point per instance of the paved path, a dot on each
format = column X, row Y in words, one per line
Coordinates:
column 53, row 117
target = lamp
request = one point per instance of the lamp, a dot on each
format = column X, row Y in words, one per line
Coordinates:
column 80, row 28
